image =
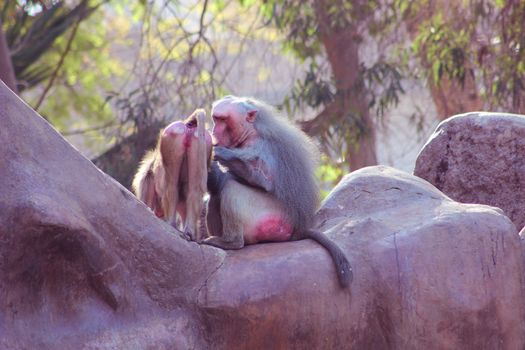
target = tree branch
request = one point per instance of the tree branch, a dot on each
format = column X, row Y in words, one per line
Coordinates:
column 86, row 130
column 59, row 65
column 7, row 74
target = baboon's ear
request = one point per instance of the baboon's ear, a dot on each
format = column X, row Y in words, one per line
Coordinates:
column 251, row 115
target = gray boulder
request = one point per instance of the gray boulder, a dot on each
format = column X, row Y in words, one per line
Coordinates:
column 479, row 158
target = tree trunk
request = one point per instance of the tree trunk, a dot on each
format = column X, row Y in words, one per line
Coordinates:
column 7, row 73
column 342, row 49
column 450, row 97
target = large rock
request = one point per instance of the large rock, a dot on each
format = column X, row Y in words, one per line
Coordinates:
column 83, row 264
column 436, row 271
column 429, row 273
column 479, row 158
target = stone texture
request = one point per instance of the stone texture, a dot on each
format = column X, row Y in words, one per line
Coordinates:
column 83, row 264
column 522, row 238
column 479, row 158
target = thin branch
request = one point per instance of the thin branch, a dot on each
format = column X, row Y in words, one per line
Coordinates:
column 59, row 65
column 156, row 73
column 235, row 60
column 315, row 125
column 201, row 20
column 86, row 130
column 201, row 29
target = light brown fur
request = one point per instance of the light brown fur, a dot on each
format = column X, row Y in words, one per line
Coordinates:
column 171, row 179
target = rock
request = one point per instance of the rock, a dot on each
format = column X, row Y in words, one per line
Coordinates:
column 479, row 158
column 433, row 267
column 83, row 264
column 429, row 273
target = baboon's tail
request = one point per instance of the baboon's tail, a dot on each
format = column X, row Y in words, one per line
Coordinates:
column 343, row 267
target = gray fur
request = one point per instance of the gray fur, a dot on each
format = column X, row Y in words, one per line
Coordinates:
column 282, row 162
column 289, row 152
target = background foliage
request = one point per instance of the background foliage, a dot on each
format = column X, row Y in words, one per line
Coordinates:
column 109, row 73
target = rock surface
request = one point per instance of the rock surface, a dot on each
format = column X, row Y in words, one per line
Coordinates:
column 479, row 158
column 85, row 265
column 82, row 262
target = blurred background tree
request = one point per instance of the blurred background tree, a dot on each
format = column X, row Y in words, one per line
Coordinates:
column 109, row 74
column 471, row 53
column 341, row 82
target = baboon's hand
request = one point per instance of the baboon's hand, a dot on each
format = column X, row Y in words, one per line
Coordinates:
column 222, row 154
column 187, row 235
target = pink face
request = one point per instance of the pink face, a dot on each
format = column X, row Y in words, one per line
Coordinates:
column 226, row 119
column 232, row 125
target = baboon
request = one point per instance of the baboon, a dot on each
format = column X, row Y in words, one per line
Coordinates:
column 262, row 184
column 172, row 178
